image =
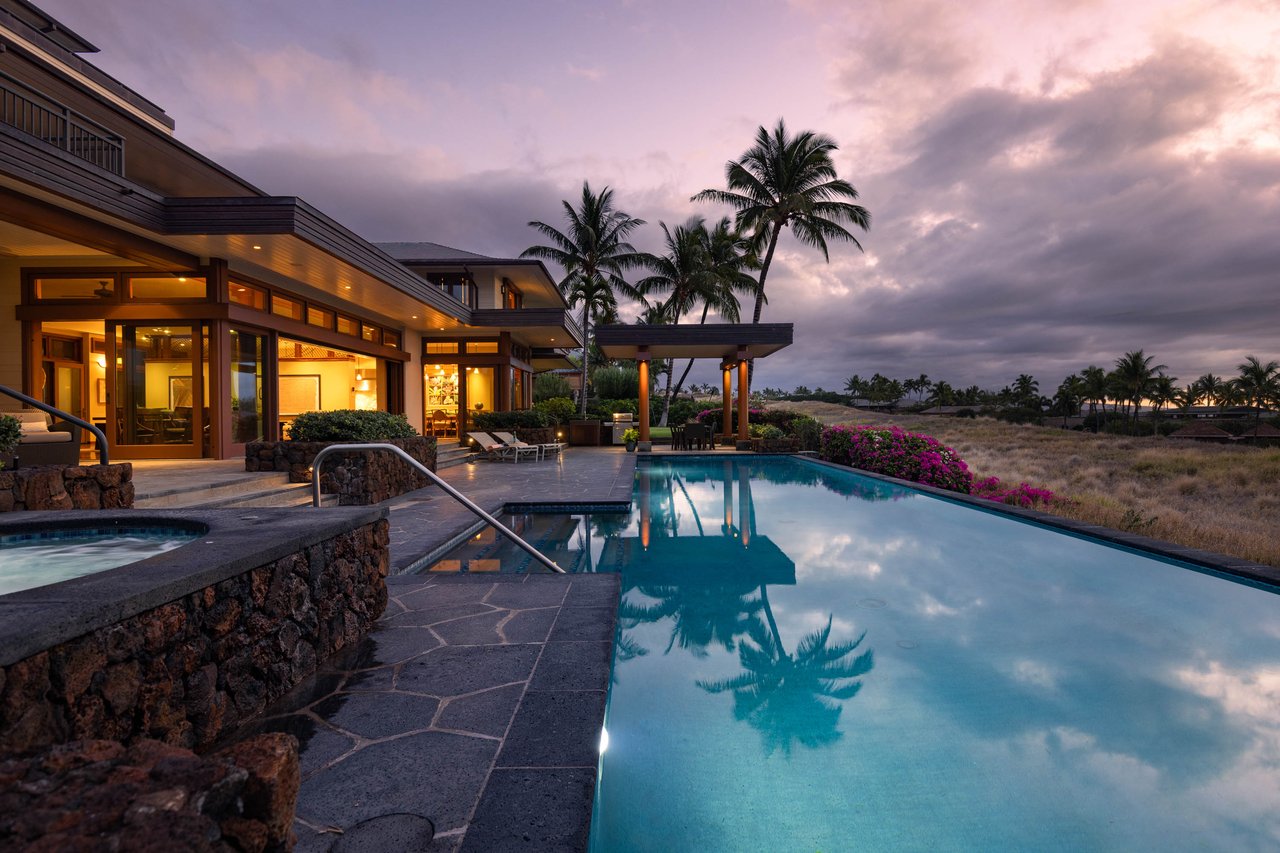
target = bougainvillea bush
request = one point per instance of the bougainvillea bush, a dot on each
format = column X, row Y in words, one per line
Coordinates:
column 921, row 459
column 896, row 453
column 1023, row 494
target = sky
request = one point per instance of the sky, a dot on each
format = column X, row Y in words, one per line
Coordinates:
column 1051, row 183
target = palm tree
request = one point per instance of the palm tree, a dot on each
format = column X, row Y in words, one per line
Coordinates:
column 1134, row 373
column 1163, row 393
column 594, row 253
column 1067, row 399
column 1095, row 390
column 728, row 257
column 1258, row 383
column 698, row 266
column 1212, row 389
column 1026, row 391
column 789, row 181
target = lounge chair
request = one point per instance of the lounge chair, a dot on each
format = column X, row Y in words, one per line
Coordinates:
column 494, row 449
column 543, row 447
column 42, row 444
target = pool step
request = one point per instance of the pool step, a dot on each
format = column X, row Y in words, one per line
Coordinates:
column 266, row 489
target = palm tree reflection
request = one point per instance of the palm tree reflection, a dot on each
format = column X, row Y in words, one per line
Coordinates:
column 794, row 698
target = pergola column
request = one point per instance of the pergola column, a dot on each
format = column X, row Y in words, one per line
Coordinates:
column 742, row 396
column 726, row 418
column 642, row 362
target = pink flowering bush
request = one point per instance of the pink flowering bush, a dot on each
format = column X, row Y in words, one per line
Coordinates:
column 921, row 459
column 1023, row 494
column 895, row 453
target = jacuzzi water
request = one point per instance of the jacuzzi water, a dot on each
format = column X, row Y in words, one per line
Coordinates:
column 37, row 559
column 808, row 659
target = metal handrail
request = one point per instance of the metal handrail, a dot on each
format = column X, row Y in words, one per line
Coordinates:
column 435, row 478
column 98, row 435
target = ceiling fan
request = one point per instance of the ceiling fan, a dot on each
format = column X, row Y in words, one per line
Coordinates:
column 104, row 290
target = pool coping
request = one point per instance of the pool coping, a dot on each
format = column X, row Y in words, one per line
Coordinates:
column 1236, row 567
column 231, row 541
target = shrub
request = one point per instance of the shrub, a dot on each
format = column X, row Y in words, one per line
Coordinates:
column 807, row 431
column 616, row 383
column 350, row 425
column 630, row 435
column 906, row 455
column 682, row 411
column 605, row 409
column 1023, row 494
column 769, row 431
column 712, row 417
column 557, row 409
column 522, row 419
column 10, row 434
column 549, row 386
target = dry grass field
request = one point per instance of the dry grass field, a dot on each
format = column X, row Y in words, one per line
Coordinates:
column 1219, row 498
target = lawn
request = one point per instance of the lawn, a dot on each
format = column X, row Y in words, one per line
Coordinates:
column 1223, row 498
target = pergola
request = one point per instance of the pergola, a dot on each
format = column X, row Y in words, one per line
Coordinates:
column 733, row 344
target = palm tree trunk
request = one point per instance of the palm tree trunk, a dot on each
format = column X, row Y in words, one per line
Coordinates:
column 764, row 271
column 586, row 354
column 689, row 366
column 666, row 397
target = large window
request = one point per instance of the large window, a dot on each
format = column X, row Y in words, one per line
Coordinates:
column 161, row 287
column 316, row 377
column 248, row 352
column 88, row 287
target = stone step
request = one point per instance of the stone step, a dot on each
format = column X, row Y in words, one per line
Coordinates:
column 198, row 494
column 294, row 494
column 449, row 455
column 261, row 490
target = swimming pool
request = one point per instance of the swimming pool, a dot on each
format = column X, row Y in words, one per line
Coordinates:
column 29, row 560
column 808, row 659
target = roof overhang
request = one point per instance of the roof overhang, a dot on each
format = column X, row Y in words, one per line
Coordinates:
column 549, row 359
column 725, row 341
column 534, row 327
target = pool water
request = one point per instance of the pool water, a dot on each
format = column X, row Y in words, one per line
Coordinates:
column 812, row 660
column 32, row 560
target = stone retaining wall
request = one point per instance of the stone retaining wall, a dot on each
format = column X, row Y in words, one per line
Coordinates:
column 189, row 671
column 536, row 435
column 101, row 795
column 47, row 487
column 359, row 478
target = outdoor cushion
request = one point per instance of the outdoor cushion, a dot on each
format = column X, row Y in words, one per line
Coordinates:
column 45, row 437
column 32, row 423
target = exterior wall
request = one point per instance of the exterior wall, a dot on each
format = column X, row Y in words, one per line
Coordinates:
column 10, row 330
column 413, row 381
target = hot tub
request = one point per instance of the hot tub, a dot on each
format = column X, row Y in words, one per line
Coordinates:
column 43, row 557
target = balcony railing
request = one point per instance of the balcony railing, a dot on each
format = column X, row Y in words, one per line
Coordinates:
column 44, row 118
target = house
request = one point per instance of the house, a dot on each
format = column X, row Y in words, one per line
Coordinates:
column 148, row 289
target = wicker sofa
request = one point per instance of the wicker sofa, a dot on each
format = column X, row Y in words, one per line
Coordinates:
column 42, row 444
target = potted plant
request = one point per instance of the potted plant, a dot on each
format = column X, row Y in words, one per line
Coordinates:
column 10, row 435
column 630, row 437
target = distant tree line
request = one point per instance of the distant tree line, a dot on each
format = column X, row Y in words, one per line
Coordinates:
column 1135, row 382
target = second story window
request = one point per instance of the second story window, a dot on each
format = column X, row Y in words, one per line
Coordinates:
column 460, row 286
column 512, row 298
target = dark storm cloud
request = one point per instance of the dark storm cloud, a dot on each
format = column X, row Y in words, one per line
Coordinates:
column 1041, row 234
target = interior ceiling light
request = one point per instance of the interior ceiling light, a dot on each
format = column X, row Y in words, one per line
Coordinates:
column 257, row 247
column 182, row 278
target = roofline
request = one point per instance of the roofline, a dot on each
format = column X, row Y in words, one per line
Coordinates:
column 490, row 262
column 81, row 66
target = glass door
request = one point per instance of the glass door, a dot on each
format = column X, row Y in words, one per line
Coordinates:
column 156, row 399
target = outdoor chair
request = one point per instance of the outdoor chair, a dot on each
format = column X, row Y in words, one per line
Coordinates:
column 42, row 444
column 544, row 447
column 496, row 450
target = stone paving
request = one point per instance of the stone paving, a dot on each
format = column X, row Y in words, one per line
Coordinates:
column 470, row 718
